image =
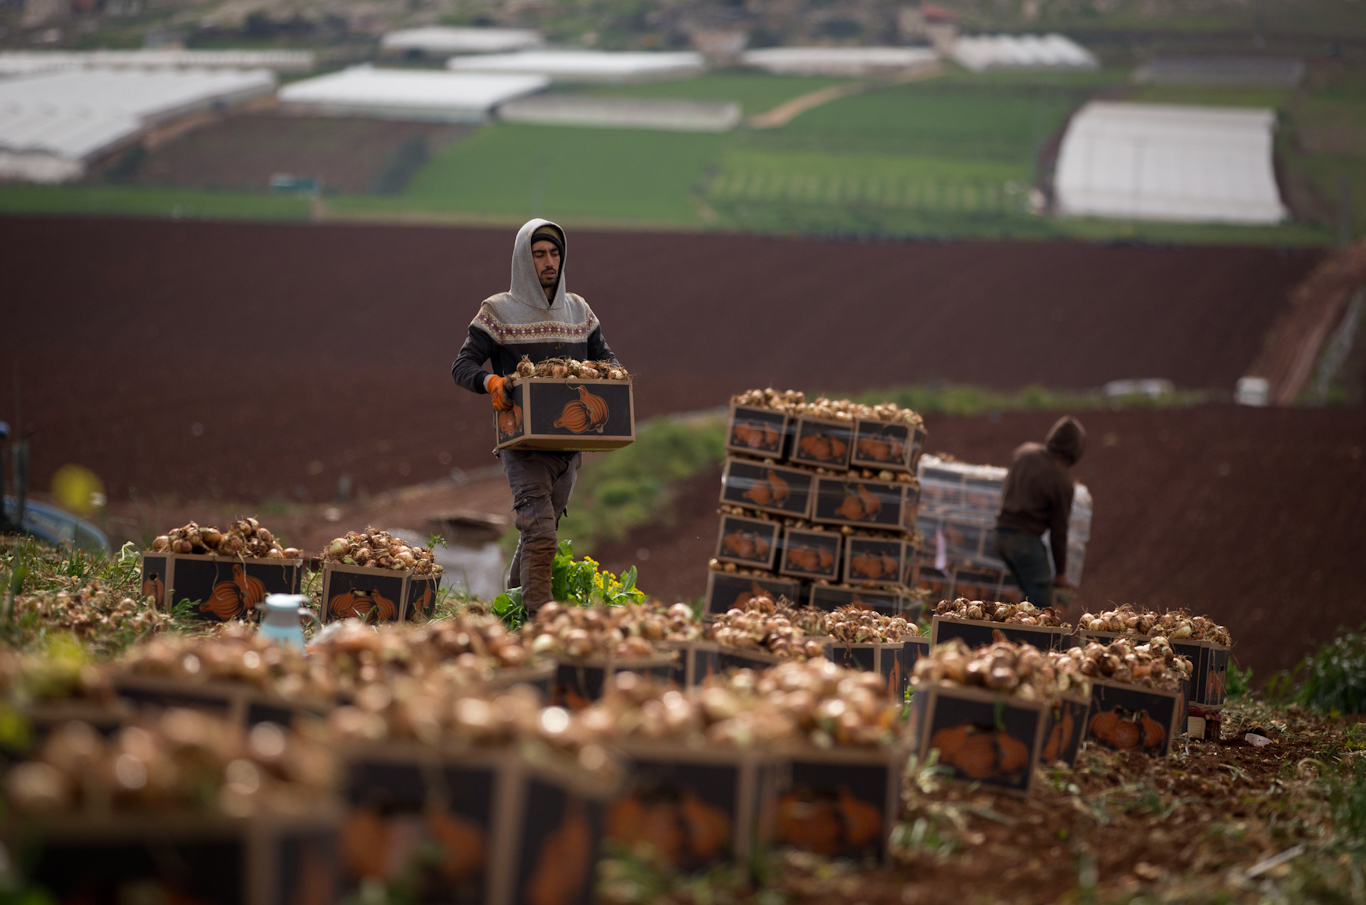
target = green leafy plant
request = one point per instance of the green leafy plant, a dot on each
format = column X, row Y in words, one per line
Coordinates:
column 575, row 582
column 1333, row 678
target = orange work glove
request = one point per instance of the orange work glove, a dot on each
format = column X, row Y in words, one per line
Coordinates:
column 501, row 393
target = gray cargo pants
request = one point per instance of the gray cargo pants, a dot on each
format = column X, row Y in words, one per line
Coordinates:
column 541, row 483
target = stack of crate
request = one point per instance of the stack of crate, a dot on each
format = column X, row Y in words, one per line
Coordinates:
column 959, row 502
column 818, row 504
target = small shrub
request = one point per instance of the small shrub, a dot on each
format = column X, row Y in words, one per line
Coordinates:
column 1333, row 678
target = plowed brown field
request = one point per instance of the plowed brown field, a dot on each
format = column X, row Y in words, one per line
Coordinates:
column 302, row 352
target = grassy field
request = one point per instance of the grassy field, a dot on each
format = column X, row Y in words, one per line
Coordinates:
column 150, row 202
column 756, row 92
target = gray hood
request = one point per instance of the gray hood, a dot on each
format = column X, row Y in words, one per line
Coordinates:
column 526, row 286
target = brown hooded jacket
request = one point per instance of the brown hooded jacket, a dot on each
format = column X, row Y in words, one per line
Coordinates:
column 1037, row 496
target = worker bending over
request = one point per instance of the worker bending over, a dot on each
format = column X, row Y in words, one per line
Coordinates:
column 1038, row 497
column 537, row 318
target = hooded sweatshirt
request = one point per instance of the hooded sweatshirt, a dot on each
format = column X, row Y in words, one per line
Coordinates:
column 1037, row 496
column 521, row 322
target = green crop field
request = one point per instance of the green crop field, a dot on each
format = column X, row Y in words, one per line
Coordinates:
column 755, row 91
column 150, row 202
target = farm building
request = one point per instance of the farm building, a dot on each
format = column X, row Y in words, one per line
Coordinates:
column 408, row 94
column 439, row 40
column 1162, row 162
column 624, row 113
column 851, row 61
column 987, row 52
column 585, row 65
column 30, row 62
column 53, row 125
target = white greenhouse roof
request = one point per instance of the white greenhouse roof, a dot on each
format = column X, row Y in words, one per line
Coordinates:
column 1021, row 52
column 1162, row 162
column 837, row 60
column 585, row 65
column 409, row 93
column 439, row 39
column 623, row 113
column 28, row 62
column 78, row 114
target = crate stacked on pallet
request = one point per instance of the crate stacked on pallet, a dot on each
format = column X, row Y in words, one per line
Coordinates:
column 959, row 503
column 818, row 503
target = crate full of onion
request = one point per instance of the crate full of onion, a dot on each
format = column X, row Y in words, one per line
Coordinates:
column 1197, row 638
column 979, row 623
column 375, row 576
column 568, row 405
column 224, row 573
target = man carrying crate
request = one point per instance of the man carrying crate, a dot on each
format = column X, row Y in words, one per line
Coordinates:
column 537, row 318
column 1037, row 497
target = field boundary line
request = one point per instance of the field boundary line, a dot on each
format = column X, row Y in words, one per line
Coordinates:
column 787, row 111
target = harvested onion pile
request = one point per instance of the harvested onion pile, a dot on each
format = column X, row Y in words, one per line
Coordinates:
column 1017, row 669
column 1172, row 624
column 765, row 626
column 244, row 537
column 470, row 645
column 89, row 608
column 569, row 367
column 793, row 402
column 380, row 550
column 854, row 624
column 235, row 653
column 1153, row 664
column 813, row 701
column 184, row 759
column 1007, row 613
column 620, row 631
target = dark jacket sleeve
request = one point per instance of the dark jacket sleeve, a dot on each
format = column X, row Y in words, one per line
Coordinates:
column 597, row 347
column 468, row 369
column 1057, row 529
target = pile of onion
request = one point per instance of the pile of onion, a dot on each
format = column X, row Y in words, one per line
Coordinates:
column 811, row 701
column 1007, row 613
column 579, row 633
column 245, row 538
column 766, row 626
column 793, row 402
column 854, row 624
column 572, row 368
column 1016, row 669
column 380, row 550
column 1174, row 624
column 234, row 653
column 89, row 607
column 182, row 760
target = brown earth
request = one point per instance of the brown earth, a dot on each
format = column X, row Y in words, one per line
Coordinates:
column 242, row 151
column 1251, row 516
column 303, row 352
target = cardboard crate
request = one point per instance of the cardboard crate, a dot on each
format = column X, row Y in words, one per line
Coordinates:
column 182, row 857
column 420, row 596
column 878, row 505
column 1134, row 718
column 911, row 651
column 377, row 595
column 1212, row 689
column 726, row 590
column 822, row 444
column 767, row 488
column 1199, row 653
column 579, row 683
column 509, row 830
column 981, row 632
column 567, row 414
column 748, row 542
column 1064, row 729
column 872, row 561
column 836, row 802
column 917, row 447
column 236, row 702
column 831, row 597
column 882, row 445
column 811, row 554
column 223, row 587
column 696, row 661
column 885, row 658
column 755, row 431
column 951, row 717
column 696, row 808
